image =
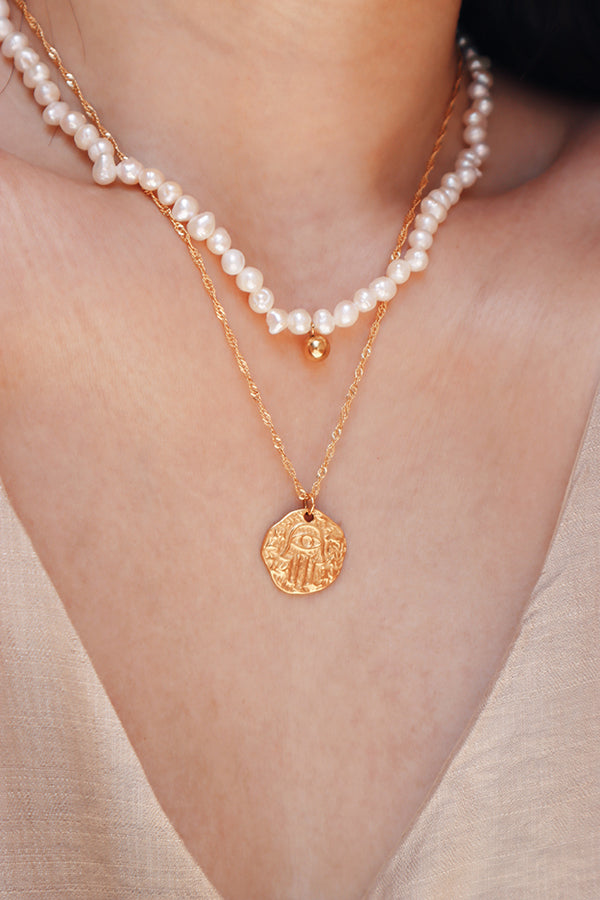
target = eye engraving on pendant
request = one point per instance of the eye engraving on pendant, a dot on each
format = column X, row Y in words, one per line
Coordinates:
column 303, row 553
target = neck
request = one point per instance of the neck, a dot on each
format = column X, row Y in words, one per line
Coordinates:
column 279, row 113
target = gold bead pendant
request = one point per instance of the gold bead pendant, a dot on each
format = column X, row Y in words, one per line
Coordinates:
column 316, row 347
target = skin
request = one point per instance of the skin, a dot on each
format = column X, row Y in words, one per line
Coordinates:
column 292, row 742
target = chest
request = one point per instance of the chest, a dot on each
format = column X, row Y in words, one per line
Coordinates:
column 274, row 728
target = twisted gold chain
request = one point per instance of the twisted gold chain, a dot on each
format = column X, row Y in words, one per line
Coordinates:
column 308, row 497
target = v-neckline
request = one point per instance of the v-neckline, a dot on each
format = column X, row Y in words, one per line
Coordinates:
column 511, row 653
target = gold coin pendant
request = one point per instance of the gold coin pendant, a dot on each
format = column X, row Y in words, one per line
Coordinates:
column 304, row 552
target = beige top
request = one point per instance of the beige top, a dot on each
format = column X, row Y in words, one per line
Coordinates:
column 516, row 814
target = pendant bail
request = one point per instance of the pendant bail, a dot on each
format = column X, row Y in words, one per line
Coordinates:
column 309, row 506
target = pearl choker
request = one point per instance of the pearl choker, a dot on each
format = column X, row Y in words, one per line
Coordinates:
column 202, row 226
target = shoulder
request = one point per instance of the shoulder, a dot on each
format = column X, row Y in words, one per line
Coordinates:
column 44, row 222
column 570, row 201
column 542, row 139
column 36, row 165
column 575, row 177
column 535, row 226
column 30, row 226
column 545, row 180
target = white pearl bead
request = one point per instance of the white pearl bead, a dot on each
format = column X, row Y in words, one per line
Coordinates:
column 427, row 222
column 484, row 105
column 469, row 168
column 277, row 320
column 86, row 136
column 399, row 270
column 417, row 259
column 345, row 314
column 4, row 9
column 299, row 321
column 201, row 226
column 35, row 75
column 477, row 91
column 128, row 170
column 104, row 170
column 169, row 192
column 100, row 147
column 478, row 64
column 14, row 42
column 72, row 121
column 483, row 77
column 151, row 179
column 474, row 134
column 466, row 165
column 25, row 59
column 233, row 261
column 6, row 27
column 54, row 112
column 473, row 117
column 420, row 239
column 453, row 194
column 261, row 301
column 467, row 157
column 219, row 241
column 383, row 288
column 250, row 279
column 323, row 321
column 437, row 210
column 365, row 300
column 482, row 150
column 46, row 92
column 452, row 181
column 440, row 196
column 185, row 208
column 468, row 175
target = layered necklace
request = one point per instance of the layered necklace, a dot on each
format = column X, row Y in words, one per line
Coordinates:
column 305, row 550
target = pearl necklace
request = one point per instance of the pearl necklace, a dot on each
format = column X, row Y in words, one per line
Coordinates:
column 202, row 226
column 304, row 551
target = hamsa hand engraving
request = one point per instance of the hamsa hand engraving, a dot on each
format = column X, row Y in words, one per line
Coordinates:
column 304, row 553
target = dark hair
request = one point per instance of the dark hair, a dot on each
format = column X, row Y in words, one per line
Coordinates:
column 551, row 43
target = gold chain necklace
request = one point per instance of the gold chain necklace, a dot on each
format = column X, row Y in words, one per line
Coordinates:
column 304, row 551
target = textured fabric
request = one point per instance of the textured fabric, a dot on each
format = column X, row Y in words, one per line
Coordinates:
column 78, row 818
column 516, row 814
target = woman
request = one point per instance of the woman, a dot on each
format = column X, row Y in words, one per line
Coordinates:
column 423, row 727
